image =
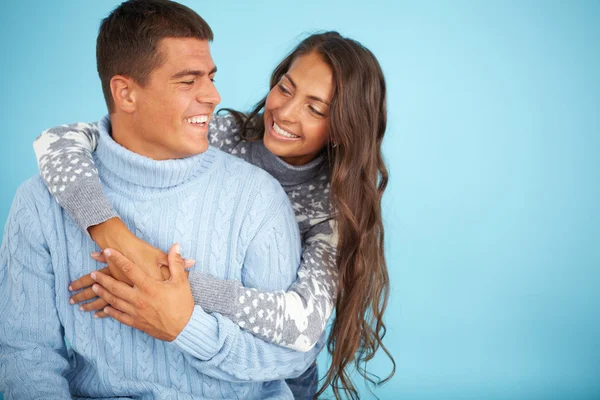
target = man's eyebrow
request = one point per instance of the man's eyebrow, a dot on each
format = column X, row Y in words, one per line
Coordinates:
column 194, row 72
column 310, row 97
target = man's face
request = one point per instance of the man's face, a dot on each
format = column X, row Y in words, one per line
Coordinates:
column 174, row 107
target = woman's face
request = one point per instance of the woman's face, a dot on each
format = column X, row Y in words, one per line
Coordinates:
column 297, row 110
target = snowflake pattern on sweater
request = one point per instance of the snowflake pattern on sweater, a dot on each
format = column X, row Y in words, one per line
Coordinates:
column 43, row 250
column 295, row 318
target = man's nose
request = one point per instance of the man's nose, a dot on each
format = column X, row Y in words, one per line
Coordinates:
column 208, row 94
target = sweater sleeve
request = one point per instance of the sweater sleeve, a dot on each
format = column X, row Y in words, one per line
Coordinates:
column 305, row 307
column 217, row 346
column 64, row 156
column 33, row 355
column 224, row 133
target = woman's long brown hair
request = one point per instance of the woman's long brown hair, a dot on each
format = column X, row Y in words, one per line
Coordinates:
column 356, row 126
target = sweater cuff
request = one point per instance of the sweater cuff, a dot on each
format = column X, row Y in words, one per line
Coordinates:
column 200, row 337
column 87, row 204
column 212, row 294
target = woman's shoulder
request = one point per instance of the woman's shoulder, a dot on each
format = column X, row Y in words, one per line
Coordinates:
column 225, row 130
column 311, row 200
column 225, row 121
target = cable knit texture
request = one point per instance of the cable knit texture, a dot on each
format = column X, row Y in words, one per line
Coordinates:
column 296, row 318
column 234, row 219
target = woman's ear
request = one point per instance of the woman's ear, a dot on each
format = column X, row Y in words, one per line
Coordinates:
column 123, row 91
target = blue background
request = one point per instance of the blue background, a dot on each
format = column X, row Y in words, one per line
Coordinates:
column 492, row 213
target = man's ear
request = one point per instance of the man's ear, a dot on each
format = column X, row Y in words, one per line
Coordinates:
column 123, row 91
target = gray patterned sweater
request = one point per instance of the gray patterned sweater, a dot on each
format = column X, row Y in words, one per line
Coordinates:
column 295, row 318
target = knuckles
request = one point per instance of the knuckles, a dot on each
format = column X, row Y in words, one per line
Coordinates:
column 127, row 267
column 140, row 304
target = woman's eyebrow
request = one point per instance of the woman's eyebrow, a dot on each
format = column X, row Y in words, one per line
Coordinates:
column 310, row 96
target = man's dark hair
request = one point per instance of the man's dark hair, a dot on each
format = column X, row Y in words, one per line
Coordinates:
column 128, row 38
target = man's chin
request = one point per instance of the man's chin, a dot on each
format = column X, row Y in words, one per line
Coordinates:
column 195, row 150
column 181, row 152
column 194, row 143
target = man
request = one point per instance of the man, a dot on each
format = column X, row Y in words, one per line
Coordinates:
column 153, row 157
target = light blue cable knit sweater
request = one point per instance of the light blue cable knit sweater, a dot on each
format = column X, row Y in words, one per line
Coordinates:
column 233, row 218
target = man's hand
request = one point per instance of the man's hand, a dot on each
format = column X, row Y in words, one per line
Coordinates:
column 160, row 308
column 114, row 234
column 85, row 285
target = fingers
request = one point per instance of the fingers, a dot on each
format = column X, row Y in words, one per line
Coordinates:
column 189, row 262
column 86, row 294
column 98, row 256
column 95, row 305
column 114, row 301
column 176, row 263
column 162, row 259
column 100, row 314
column 82, row 282
column 119, row 316
column 132, row 271
column 86, row 280
column 117, row 288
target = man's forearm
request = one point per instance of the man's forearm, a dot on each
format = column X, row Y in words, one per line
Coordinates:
column 218, row 346
column 222, row 350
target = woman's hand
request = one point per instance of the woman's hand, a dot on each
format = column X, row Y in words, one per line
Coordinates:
column 147, row 257
column 160, row 308
column 85, row 283
column 115, row 234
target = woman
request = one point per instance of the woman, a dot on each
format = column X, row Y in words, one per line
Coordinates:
column 319, row 132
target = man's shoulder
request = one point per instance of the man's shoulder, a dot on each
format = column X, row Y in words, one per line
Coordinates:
column 34, row 194
column 255, row 177
column 34, row 185
column 31, row 209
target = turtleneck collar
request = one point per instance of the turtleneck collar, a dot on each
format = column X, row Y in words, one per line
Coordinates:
column 142, row 171
column 286, row 174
